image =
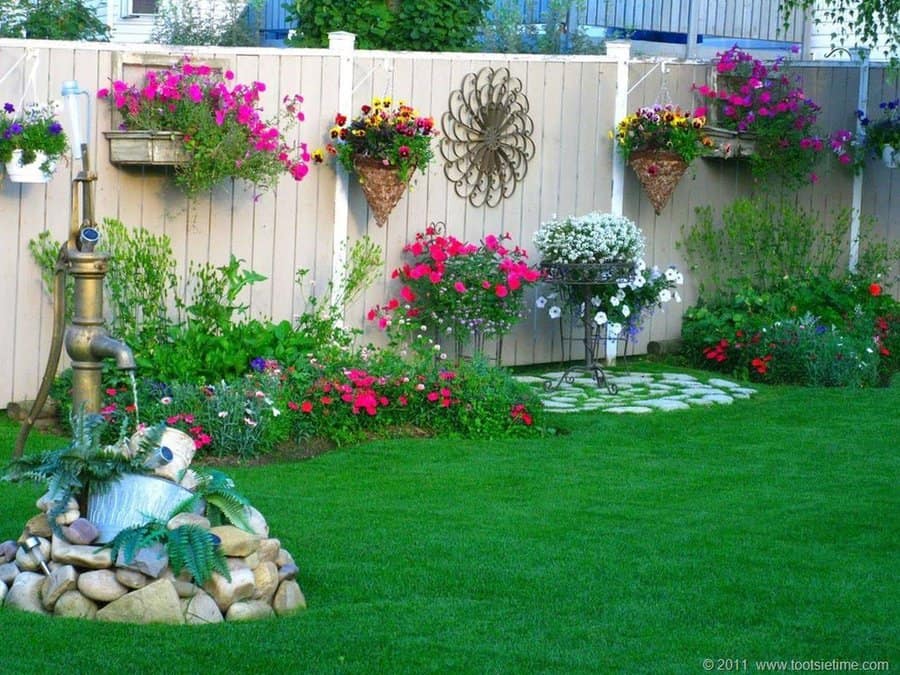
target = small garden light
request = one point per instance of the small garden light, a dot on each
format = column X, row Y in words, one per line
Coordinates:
column 33, row 546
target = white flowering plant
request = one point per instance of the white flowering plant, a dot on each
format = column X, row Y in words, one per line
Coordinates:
column 593, row 238
column 596, row 264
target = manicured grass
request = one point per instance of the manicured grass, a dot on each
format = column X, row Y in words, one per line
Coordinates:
column 636, row 544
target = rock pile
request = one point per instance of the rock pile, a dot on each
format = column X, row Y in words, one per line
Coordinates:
column 73, row 576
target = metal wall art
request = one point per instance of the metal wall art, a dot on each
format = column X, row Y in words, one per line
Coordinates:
column 487, row 137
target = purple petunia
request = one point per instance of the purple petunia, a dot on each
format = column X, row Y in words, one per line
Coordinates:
column 55, row 128
column 9, row 108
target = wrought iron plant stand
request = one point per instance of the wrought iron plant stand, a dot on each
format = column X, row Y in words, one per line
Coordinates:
column 577, row 283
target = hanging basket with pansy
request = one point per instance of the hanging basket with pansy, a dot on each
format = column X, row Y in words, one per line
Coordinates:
column 383, row 146
column 659, row 142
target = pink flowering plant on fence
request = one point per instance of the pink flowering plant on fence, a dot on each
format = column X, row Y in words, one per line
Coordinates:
column 764, row 100
column 457, row 291
column 221, row 122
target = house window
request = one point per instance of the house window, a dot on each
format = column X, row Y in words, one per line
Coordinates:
column 143, row 6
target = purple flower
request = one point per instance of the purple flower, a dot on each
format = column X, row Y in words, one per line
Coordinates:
column 55, row 128
column 9, row 107
column 258, row 364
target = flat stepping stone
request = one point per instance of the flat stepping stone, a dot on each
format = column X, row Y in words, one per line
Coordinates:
column 631, row 379
column 636, row 409
column 664, row 404
column 721, row 399
column 558, row 405
column 728, row 384
column 680, row 377
column 743, row 392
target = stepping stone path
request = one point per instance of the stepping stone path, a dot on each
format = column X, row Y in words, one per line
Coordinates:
column 638, row 392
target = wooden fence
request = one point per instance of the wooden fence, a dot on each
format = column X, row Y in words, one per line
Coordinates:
column 571, row 103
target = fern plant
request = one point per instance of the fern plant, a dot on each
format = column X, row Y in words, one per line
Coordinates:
column 189, row 547
column 223, row 502
column 84, row 463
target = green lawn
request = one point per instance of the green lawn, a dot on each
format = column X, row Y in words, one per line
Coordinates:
column 763, row 530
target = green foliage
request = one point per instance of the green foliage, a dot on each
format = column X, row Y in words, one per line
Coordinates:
column 193, row 548
column 775, row 304
column 223, row 502
column 213, row 300
column 232, row 23
column 859, row 23
column 140, row 283
column 189, row 547
column 762, row 245
column 505, row 30
column 51, row 20
column 428, row 25
column 85, row 462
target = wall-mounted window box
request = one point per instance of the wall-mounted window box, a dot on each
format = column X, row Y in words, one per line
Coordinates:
column 730, row 144
column 147, row 148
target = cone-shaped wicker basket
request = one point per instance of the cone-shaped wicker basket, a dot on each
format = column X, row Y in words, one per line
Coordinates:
column 380, row 184
column 659, row 173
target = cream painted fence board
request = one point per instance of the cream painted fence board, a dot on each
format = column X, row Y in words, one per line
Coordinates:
column 570, row 102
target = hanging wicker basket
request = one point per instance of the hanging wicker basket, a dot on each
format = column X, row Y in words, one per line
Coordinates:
column 659, row 173
column 381, row 185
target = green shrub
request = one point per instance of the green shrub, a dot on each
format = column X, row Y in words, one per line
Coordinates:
column 765, row 270
column 51, row 20
column 427, row 25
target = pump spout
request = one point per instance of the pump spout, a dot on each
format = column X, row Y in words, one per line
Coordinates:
column 103, row 346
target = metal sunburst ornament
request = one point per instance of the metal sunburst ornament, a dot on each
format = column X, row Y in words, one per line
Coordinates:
column 486, row 138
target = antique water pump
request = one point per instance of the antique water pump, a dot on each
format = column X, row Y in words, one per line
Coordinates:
column 86, row 340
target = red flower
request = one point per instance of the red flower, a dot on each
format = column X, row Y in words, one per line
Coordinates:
column 306, row 407
column 875, row 289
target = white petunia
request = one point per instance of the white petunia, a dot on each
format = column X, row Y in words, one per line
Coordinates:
column 554, row 312
column 665, row 295
column 679, row 279
column 541, row 302
column 626, row 312
column 671, row 274
column 600, row 318
column 677, row 297
column 615, row 301
column 596, row 301
column 639, row 281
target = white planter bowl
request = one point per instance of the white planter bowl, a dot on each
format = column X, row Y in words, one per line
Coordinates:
column 28, row 173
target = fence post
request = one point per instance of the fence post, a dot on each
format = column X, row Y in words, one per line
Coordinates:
column 621, row 51
column 862, row 103
column 341, row 43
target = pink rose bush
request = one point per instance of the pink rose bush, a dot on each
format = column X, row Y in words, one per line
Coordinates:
column 224, row 132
